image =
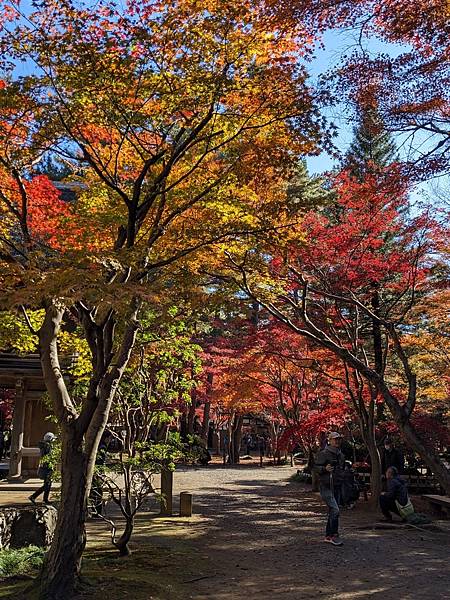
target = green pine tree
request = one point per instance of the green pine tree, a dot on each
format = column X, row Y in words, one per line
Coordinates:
column 305, row 192
column 372, row 146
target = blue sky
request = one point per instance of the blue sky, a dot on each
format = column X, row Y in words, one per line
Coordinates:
column 336, row 45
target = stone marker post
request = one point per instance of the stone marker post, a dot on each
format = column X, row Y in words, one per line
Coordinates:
column 185, row 504
column 167, row 492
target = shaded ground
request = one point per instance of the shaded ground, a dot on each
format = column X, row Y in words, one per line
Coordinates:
column 256, row 535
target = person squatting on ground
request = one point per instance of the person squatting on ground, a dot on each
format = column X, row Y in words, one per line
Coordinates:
column 329, row 465
column 396, row 492
column 45, row 470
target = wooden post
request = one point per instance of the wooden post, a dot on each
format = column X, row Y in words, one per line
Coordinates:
column 185, row 504
column 167, row 492
column 15, row 463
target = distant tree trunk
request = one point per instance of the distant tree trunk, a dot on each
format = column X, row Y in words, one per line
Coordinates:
column 377, row 345
column 183, row 426
column 375, row 473
column 367, row 426
column 278, row 456
column 237, row 438
column 162, row 432
column 191, row 417
column 205, row 424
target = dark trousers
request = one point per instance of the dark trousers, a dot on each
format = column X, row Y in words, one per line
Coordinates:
column 337, row 491
column 332, row 527
column 387, row 506
column 45, row 489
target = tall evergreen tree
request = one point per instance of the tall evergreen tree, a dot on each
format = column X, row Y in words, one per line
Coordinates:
column 306, row 192
column 372, row 149
column 372, row 146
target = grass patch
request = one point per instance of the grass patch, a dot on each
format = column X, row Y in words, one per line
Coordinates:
column 150, row 572
column 160, row 573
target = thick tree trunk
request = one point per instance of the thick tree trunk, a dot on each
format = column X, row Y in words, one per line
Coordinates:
column 366, row 416
column 61, row 569
column 162, row 432
column 183, row 427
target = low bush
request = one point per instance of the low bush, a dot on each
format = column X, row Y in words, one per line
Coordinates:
column 21, row 561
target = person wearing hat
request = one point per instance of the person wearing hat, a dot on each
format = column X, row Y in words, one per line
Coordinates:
column 329, row 465
column 45, row 470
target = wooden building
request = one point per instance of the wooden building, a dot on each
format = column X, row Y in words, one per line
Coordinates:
column 23, row 375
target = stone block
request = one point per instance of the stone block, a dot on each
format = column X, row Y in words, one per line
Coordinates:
column 23, row 525
column 185, row 504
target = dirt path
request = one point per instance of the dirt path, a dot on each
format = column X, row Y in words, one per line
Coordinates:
column 259, row 536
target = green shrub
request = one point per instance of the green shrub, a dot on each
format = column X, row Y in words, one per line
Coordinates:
column 21, row 561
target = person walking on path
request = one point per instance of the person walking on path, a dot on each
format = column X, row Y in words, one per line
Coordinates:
column 329, row 465
column 45, row 470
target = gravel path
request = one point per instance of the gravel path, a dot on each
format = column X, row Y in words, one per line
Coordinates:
column 261, row 538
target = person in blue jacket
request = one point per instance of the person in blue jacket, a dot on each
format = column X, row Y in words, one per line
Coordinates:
column 396, row 491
